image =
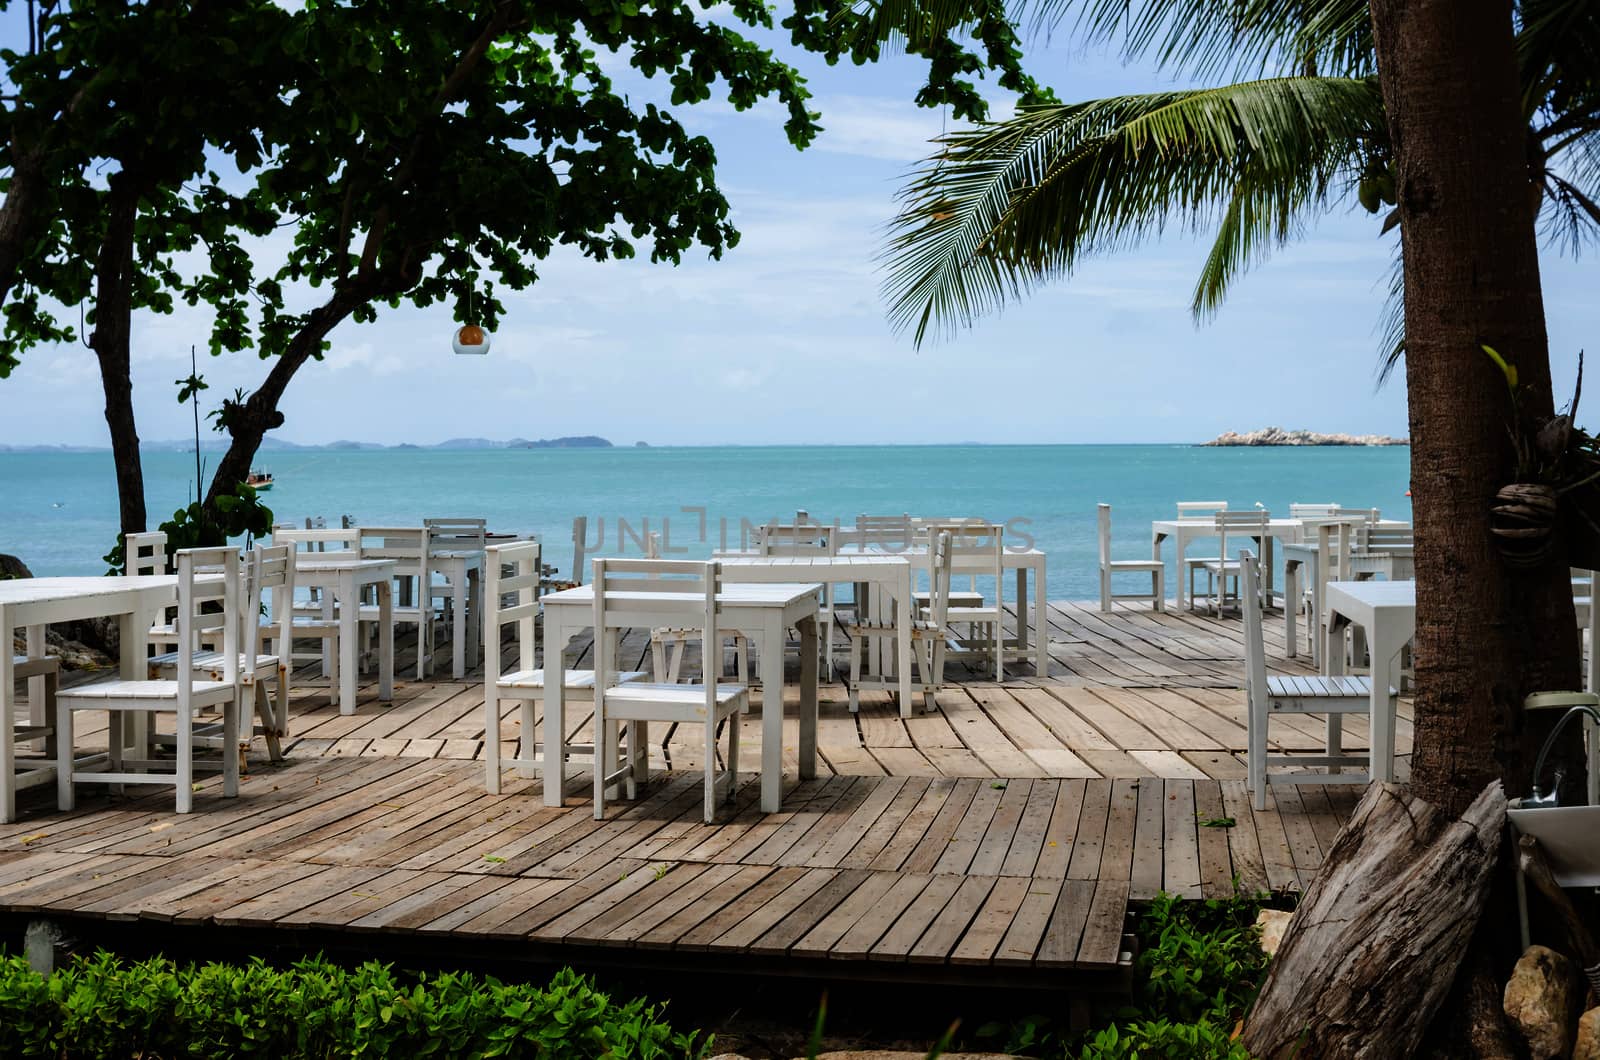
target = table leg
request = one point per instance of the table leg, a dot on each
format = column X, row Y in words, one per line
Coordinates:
column 458, row 621
column 8, row 770
column 771, row 649
column 555, row 780
column 1022, row 612
column 1041, row 617
column 36, row 650
column 808, row 697
column 349, row 605
column 474, row 614
column 1267, row 571
column 386, row 640
column 1385, row 654
column 1291, row 598
column 902, row 640
column 133, row 636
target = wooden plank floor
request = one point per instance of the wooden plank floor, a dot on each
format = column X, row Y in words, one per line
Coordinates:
column 1001, row 834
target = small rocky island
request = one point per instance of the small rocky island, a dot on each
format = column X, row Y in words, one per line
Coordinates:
column 1280, row 436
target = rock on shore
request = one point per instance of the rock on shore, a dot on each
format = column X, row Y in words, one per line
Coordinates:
column 1279, row 436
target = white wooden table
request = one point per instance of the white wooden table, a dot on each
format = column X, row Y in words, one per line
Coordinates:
column 1185, row 531
column 1025, row 562
column 463, row 568
column 344, row 575
column 892, row 574
column 763, row 612
column 1387, row 610
column 34, row 603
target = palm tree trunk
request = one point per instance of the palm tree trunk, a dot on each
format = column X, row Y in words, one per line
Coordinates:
column 1486, row 635
column 113, row 324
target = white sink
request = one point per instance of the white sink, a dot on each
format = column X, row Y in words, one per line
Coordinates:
column 1570, row 836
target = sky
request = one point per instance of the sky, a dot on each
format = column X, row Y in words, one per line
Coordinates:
column 785, row 340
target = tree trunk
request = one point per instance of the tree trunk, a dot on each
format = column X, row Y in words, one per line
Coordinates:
column 19, row 216
column 1486, row 634
column 1396, row 900
column 113, row 325
column 260, row 414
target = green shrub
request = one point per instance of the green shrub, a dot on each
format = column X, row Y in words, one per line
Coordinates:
column 103, row 1006
column 1199, row 966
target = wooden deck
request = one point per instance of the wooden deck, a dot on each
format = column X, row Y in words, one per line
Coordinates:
column 997, row 839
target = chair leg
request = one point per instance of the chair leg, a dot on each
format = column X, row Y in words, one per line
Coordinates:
column 269, row 723
column 1256, row 753
column 658, row 658
column 855, row 674
column 710, row 730
column 1335, row 739
column 185, row 763
column 600, row 739
column 638, row 756
column 65, row 796
column 733, row 753
column 230, row 748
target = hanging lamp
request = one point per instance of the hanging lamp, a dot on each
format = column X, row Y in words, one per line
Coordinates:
column 470, row 338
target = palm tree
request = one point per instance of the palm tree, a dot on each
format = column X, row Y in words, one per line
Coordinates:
column 1007, row 205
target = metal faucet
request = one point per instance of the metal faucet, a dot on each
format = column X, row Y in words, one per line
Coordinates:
column 1536, row 800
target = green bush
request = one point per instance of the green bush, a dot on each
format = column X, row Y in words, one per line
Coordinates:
column 1199, row 966
column 102, row 1006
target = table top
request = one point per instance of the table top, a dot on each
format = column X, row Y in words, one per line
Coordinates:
column 854, row 559
column 335, row 562
column 1375, row 594
column 733, row 594
column 36, row 590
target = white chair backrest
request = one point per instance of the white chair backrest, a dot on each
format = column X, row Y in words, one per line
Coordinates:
column 317, row 538
column 888, row 531
column 939, row 558
column 1200, row 509
column 1311, row 511
column 652, row 593
column 800, row 539
column 580, row 531
column 407, row 546
column 1255, row 651
column 457, row 534
column 1103, row 532
column 1369, row 516
column 978, row 548
column 1251, row 524
column 206, row 575
column 521, row 586
column 270, row 570
column 1385, row 539
column 145, row 553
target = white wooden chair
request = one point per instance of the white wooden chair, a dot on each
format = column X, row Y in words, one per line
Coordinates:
column 453, row 535
column 670, row 645
column 1155, row 568
column 408, row 548
column 648, row 593
column 512, row 599
column 145, row 555
column 1219, row 570
column 268, row 574
column 1200, row 509
column 185, row 696
column 804, row 538
column 312, row 615
column 978, row 549
column 1311, row 511
column 1385, row 550
column 928, row 634
column 1315, row 694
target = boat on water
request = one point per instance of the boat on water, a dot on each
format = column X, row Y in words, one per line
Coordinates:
column 260, row 480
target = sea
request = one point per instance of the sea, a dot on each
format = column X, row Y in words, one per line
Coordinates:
column 58, row 511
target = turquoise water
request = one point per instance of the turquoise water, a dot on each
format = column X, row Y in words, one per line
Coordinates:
column 58, row 511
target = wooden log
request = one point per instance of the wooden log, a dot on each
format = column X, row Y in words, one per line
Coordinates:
column 1375, row 944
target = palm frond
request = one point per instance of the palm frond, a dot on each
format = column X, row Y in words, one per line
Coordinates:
column 1392, row 326
column 1213, row 39
column 1008, row 205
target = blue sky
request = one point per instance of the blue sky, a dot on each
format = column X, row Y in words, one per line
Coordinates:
column 784, row 340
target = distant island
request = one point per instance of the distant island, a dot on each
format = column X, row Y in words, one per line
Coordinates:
column 1279, row 436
